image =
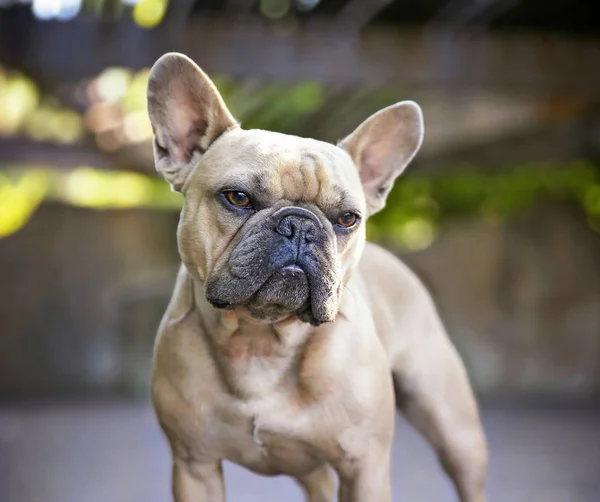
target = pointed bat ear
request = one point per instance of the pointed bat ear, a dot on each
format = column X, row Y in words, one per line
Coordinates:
column 187, row 114
column 382, row 146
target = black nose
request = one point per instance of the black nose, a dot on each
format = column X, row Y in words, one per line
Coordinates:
column 297, row 223
column 297, row 227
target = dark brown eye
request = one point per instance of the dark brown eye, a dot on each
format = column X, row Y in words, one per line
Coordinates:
column 347, row 220
column 237, row 199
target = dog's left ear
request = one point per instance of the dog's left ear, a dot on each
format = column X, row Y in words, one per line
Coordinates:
column 382, row 146
column 187, row 114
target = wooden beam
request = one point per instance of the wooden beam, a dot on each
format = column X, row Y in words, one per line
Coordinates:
column 22, row 151
column 249, row 47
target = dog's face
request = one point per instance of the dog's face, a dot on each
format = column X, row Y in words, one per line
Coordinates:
column 271, row 222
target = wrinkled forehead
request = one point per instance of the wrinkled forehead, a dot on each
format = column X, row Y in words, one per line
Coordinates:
column 285, row 167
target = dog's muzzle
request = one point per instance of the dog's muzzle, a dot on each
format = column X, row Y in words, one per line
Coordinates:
column 280, row 266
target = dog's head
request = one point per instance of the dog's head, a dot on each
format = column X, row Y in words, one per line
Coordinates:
column 271, row 222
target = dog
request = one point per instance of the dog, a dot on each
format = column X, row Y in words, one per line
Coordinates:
column 288, row 336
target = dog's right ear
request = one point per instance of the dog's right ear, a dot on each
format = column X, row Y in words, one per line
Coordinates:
column 187, row 114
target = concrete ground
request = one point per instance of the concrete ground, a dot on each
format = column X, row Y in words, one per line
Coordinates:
column 116, row 453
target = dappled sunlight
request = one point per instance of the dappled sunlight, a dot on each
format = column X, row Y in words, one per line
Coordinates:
column 149, row 13
column 19, row 198
column 24, row 110
column 145, row 13
column 114, row 109
column 21, row 192
column 19, row 96
column 60, row 126
column 112, row 84
column 416, row 234
column 117, row 111
column 87, row 187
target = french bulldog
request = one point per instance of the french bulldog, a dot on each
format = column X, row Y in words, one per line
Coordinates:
column 289, row 340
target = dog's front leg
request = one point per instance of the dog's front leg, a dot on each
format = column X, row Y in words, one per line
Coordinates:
column 369, row 481
column 319, row 485
column 436, row 397
column 197, row 482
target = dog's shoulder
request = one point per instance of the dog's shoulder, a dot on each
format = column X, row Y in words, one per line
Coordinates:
column 397, row 297
column 380, row 267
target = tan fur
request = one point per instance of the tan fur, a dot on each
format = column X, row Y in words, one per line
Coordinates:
column 286, row 397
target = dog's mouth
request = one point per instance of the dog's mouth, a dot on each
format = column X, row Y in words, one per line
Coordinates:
column 287, row 292
column 221, row 305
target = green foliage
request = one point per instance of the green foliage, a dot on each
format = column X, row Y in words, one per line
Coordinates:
column 285, row 106
column 468, row 192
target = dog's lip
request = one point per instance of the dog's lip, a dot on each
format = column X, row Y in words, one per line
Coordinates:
column 292, row 270
column 221, row 305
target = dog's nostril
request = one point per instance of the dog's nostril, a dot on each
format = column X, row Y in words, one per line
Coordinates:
column 286, row 228
column 310, row 234
column 297, row 226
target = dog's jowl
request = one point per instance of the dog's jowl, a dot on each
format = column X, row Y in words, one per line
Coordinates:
column 286, row 331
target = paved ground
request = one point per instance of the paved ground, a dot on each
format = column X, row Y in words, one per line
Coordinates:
column 115, row 453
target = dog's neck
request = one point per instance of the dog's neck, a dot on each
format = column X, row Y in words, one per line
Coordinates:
column 254, row 356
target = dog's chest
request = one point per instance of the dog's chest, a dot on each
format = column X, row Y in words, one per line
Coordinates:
column 265, row 440
column 256, row 362
column 256, row 376
column 273, row 453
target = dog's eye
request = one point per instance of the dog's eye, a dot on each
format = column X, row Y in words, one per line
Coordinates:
column 347, row 220
column 238, row 199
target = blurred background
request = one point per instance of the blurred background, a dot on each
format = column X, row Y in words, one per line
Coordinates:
column 499, row 215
